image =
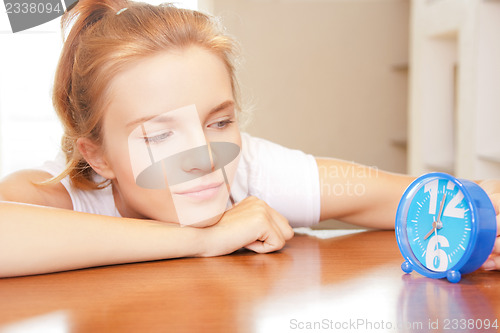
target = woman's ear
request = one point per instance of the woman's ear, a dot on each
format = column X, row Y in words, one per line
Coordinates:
column 94, row 156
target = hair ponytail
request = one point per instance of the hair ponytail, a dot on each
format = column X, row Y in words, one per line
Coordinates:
column 65, row 98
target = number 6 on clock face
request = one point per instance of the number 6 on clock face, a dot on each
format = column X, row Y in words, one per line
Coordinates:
column 445, row 226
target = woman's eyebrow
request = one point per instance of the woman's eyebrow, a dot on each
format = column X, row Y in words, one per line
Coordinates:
column 220, row 107
column 163, row 118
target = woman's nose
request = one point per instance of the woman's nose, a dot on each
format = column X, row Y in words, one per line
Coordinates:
column 187, row 165
column 197, row 160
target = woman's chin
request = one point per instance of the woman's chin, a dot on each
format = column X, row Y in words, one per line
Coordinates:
column 204, row 223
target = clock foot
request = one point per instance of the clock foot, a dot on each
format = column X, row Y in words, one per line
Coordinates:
column 453, row 276
column 406, row 267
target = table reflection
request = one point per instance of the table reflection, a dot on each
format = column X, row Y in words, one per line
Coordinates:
column 443, row 306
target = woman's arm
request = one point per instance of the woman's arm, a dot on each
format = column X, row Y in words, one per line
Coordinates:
column 37, row 239
column 359, row 194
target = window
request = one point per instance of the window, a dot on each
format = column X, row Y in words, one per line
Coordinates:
column 30, row 132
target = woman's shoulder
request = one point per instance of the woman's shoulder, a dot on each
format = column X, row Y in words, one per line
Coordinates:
column 257, row 150
column 25, row 186
column 263, row 160
column 99, row 201
column 253, row 147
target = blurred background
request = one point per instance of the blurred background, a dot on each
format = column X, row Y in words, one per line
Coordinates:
column 326, row 77
column 401, row 85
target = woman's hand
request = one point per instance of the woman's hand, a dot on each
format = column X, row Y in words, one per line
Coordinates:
column 251, row 224
column 492, row 187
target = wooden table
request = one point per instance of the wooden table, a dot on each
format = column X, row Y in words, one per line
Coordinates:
column 350, row 283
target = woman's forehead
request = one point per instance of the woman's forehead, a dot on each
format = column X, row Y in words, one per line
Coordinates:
column 169, row 81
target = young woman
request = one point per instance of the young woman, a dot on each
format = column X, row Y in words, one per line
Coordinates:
column 154, row 163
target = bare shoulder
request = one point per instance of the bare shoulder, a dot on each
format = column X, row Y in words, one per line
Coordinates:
column 24, row 186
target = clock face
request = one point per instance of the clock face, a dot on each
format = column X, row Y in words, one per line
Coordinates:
column 438, row 224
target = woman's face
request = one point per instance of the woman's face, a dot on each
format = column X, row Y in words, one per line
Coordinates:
column 171, row 139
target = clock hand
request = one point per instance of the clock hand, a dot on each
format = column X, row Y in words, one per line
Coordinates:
column 436, row 225
column 434, row 229
column 439, row 223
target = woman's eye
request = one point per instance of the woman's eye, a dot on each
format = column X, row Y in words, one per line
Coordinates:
column 221, row 124
column 157, row 138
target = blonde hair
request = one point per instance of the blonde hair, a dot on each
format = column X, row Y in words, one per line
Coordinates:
column 99, row 44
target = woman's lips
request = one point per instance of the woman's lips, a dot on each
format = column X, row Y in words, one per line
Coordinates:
column 202, row 192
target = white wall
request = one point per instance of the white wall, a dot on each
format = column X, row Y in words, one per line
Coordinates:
column 327, row 77
column 29, row 130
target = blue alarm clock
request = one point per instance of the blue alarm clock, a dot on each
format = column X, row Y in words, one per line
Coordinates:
column 445, row 227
